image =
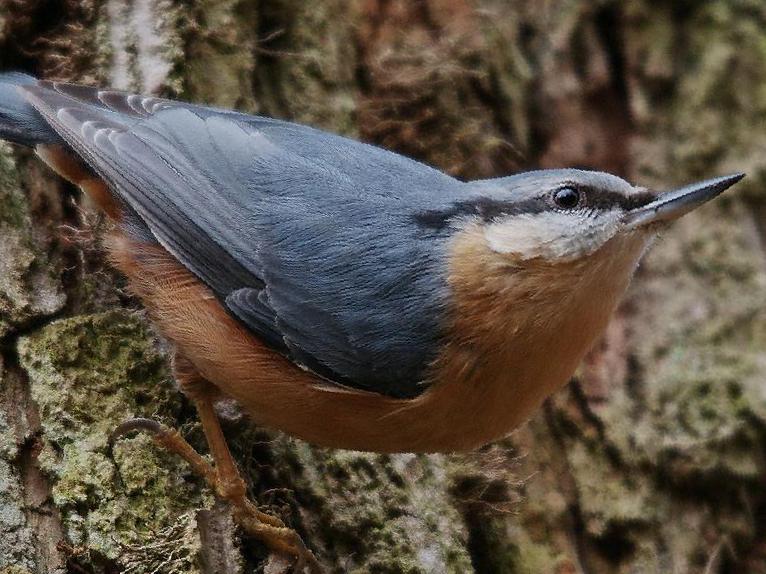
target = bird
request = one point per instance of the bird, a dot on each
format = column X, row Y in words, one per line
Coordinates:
column 339, row 292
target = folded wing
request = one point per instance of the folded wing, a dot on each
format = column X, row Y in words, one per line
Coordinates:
column 306, row 237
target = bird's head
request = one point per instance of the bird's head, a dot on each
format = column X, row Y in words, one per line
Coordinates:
column 536, row 244
column 553, row 216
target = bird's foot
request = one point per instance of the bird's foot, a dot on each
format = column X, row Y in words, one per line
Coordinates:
column 230, row 487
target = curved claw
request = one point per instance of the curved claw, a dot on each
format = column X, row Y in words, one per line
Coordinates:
column 153, row 427
column 170, row 440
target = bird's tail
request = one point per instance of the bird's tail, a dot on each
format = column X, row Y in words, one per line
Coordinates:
column 19, row 121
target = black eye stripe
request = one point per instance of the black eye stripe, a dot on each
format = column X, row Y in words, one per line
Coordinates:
column 602, row 199
column 485, row 208
column 488, row 209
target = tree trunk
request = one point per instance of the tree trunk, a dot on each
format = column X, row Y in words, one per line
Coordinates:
column 651, row 460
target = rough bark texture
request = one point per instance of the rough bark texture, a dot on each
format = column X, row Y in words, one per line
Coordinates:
column 652, row 460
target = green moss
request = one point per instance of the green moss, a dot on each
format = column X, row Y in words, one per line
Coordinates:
column 380, row 513
column 87, row 374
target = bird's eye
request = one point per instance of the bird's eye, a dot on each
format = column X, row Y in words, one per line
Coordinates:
column 566, row 198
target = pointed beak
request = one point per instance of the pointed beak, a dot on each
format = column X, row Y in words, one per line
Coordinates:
column 674, row 204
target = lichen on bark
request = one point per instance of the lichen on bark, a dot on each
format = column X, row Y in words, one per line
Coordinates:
column 377, row 513
column 87, row 374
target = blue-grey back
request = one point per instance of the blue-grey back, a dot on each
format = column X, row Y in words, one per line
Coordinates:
column 308, row 238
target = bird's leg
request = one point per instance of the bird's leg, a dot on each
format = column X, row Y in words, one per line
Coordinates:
column 224, row 477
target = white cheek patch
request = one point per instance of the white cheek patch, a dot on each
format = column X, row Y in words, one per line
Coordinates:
column 551, row 235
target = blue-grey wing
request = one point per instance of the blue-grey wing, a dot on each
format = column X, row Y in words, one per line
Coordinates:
column 306, row 237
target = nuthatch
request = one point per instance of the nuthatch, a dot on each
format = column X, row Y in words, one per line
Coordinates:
column 339, row 292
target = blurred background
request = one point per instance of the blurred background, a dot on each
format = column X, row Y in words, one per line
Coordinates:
column 651, row 460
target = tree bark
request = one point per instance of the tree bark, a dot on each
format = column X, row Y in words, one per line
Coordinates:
column 651, row 460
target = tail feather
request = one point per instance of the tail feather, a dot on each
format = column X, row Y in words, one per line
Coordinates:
column 19, row 121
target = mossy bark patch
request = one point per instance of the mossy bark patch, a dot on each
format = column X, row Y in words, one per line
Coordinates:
column 383, row 514
column 87, row 374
